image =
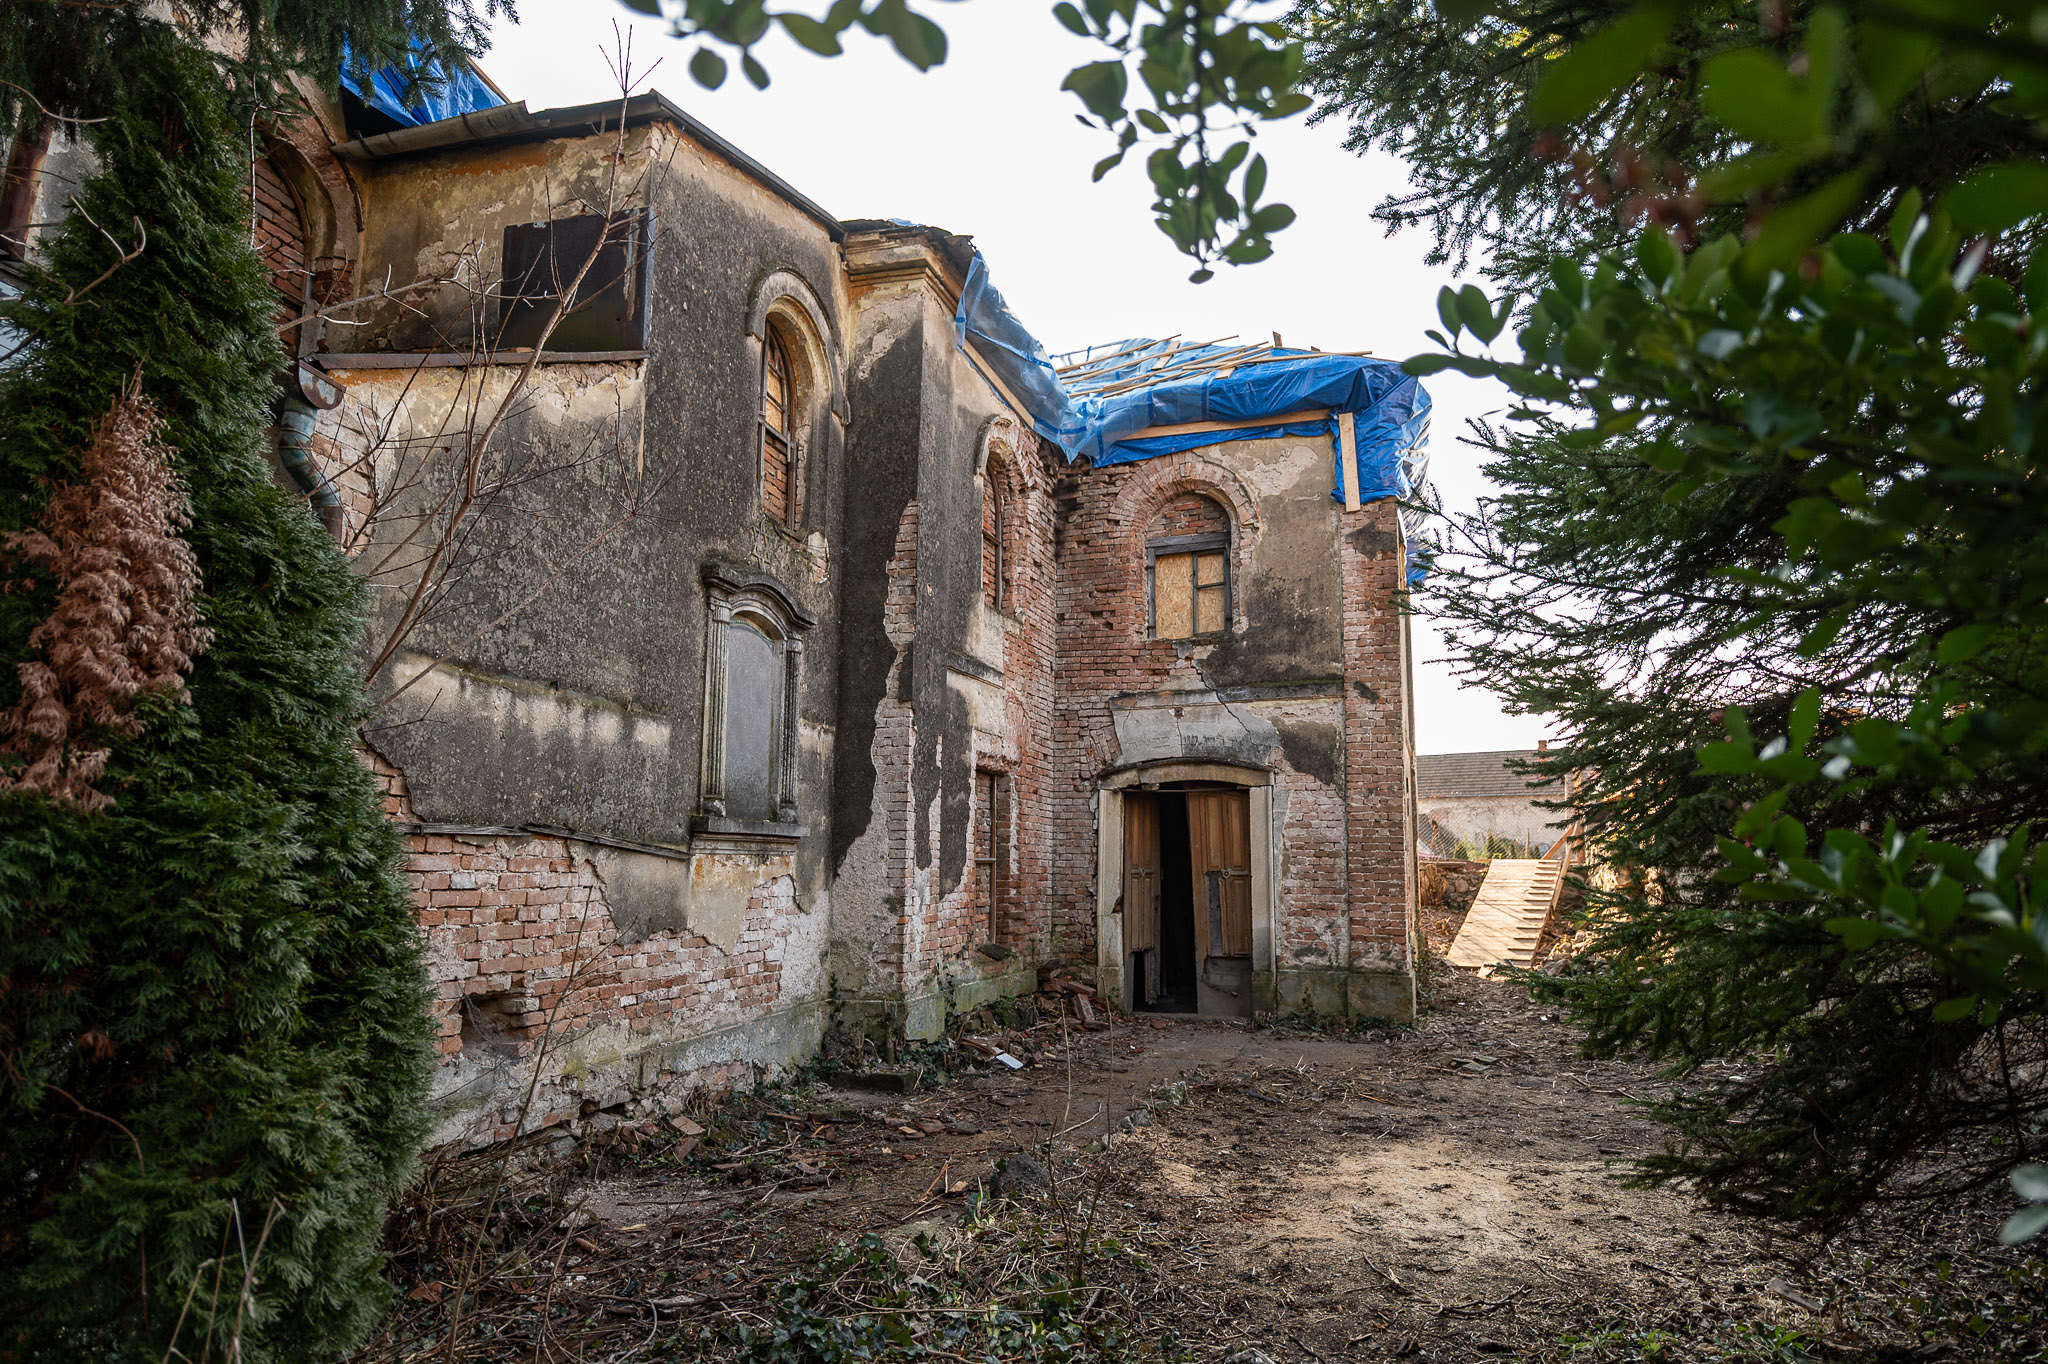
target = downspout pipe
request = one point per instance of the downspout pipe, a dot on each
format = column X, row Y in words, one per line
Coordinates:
column 295, row 421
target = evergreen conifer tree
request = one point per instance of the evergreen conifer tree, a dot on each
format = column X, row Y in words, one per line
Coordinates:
column 1447, row 87
column 212, row 1007
column 1761, row 479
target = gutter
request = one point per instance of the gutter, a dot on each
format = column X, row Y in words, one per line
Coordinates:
column 510, row 122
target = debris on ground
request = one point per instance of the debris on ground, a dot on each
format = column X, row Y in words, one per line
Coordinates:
column 1447, row 1191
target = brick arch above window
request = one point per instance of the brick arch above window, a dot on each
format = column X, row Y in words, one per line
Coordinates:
column 1193, row 512
column 300, row 159
column 1155, row 482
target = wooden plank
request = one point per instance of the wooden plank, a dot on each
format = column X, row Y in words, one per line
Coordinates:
column 1347, row 439
column 1141, row 872
column 1509, row 914
column 1209, row 593
column 1307, row 414
column 1219, row 839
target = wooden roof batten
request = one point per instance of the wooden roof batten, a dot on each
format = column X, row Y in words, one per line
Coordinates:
column 1100, row 376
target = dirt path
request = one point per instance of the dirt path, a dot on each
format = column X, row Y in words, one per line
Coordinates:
column 1442, row 1192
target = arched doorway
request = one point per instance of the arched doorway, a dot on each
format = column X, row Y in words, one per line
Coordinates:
column 1184, row 922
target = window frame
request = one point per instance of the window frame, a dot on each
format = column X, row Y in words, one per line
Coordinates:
column 625, row 240
column 987, row 899
column 755, row 599
column 992, row 497
column 1203, row 542
column 789, row 438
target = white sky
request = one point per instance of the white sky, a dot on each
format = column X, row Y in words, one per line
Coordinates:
column 988, row 145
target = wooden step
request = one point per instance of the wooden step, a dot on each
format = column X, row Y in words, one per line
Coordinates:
column 1506, row 921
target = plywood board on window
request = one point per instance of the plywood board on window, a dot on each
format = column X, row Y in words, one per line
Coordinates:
column 1173, row 596
column 1209, row 594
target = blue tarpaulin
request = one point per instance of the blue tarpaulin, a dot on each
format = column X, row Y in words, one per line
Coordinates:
column 1103, row 400
column 442, row 95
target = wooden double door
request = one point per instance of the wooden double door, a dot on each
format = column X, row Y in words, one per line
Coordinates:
column 1187, row 900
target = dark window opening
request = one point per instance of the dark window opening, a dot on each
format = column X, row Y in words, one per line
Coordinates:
column 780, row 472
column 608, row 310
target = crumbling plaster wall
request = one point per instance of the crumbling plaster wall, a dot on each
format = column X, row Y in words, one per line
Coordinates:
column 595, row 684
column 581, row 714
column 937, row 684
column 442, row 215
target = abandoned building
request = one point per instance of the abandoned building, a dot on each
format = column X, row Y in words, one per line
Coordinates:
column 770, row 639
column 1482, row 805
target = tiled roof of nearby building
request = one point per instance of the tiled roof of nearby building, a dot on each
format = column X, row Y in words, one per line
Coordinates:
column 1473, row 776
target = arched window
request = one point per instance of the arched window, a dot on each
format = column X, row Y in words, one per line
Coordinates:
column 280, row 223
column 993, row 588
column 781, row 489
column 1187, row 569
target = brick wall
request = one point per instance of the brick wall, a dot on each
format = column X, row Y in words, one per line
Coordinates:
column 521, row 945
column 1343, row 884
column 1188, row 514
column 930, row 943
column 1380, row 839
column 281, row 237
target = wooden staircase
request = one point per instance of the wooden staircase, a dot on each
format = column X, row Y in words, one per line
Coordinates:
column 1511, row 910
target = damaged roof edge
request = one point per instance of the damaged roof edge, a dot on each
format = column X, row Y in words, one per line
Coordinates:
column 513, row 122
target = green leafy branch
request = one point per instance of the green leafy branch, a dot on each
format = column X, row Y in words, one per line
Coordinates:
column 1209, row 71
column 1819, row 123
column 741, row 24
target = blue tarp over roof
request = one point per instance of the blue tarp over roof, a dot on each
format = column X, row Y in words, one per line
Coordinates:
column 1095, row 402
column 445, row 95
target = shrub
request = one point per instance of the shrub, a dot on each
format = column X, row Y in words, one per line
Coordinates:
column 211, row 999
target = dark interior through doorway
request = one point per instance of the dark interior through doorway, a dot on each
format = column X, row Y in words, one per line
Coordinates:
column 1187, row 899
column 1174, row 991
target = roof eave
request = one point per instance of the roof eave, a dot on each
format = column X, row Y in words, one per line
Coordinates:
column 513, row 123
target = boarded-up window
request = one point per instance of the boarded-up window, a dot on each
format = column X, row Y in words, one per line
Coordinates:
column 992, row 588
column 1187, row 550
column 779, row 471
column 608, row 310
column 987, row 858
column 753, row 702
column 281, row 237
column 1188, row 595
